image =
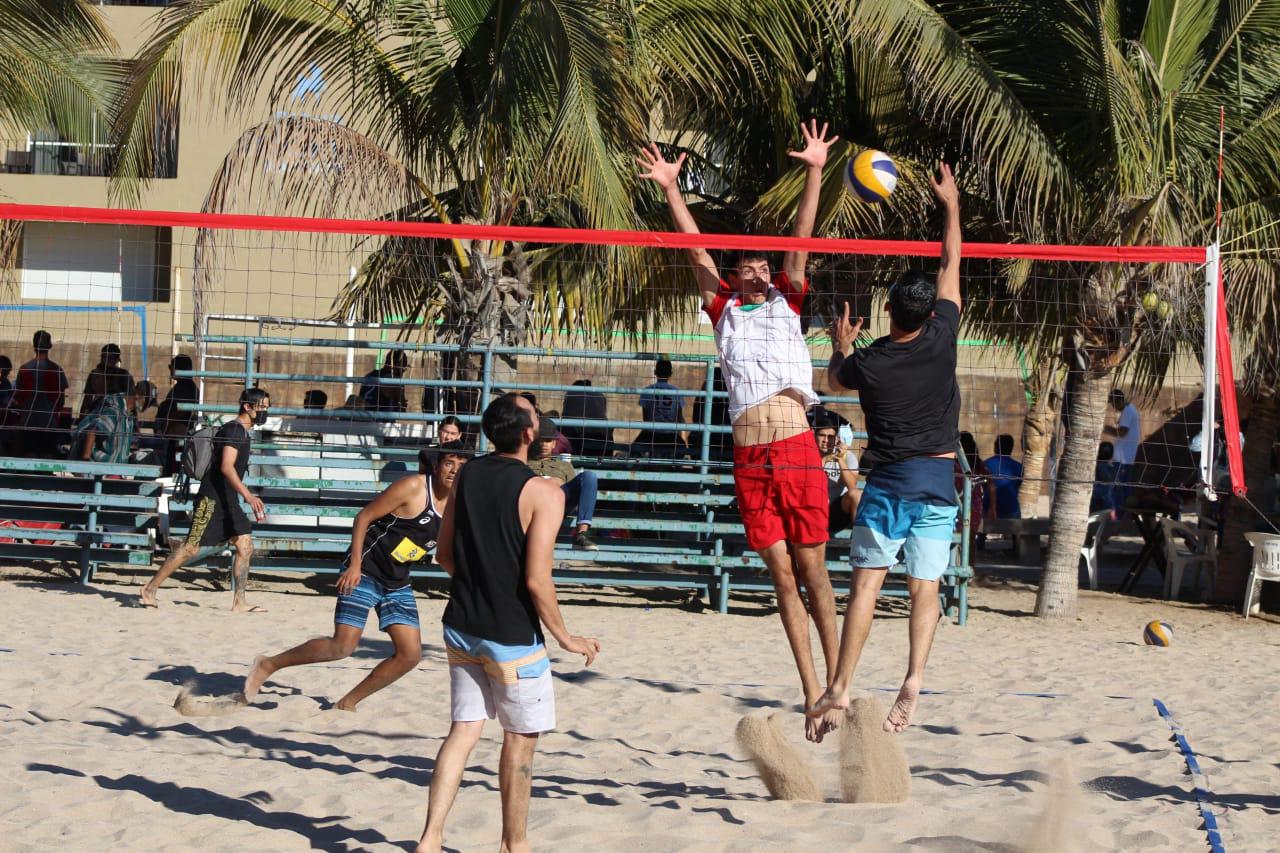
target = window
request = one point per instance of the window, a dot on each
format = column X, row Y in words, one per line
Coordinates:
column 74, row 262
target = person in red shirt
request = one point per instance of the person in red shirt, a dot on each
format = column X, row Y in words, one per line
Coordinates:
column 778, row 475
column 39, row 393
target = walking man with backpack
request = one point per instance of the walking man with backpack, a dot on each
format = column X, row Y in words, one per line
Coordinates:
column 217, row 517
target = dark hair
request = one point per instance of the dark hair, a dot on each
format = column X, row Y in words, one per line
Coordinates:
column 110, row 349
column 1116, row 395
column 180, row 362
column 117, row 383
column 911, row 300
column 451, row 420
column 397, row 358
column 315, row 399
column 146, row 392
column 969, row 446
column 5, row 363
column 429, row 458
column 253, row 397
column 1004, row 445
column 825, row 419
column 504, row 423
column 1106, row 451
column 42, row 341
column 743, row 255
column 533, row 401
column 662, row 369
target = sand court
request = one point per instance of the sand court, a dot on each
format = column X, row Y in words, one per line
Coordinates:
column 95, row 755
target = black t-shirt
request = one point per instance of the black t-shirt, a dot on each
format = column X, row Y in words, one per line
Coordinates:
column 488, row 597
column 184, row 391
column 231, row 434
column 908, row 390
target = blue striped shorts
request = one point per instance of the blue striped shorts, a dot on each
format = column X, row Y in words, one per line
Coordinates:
column 394, row 606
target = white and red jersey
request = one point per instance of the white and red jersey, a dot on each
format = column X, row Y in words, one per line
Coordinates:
column 762, row 348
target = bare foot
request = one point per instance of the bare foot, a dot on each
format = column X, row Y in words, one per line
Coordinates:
column 259, row 672
column 147, row 597
column 900, row 714
column 429, row 845
column 831, row 701
column 832, row 720
column 246, row 607
column 814, row 729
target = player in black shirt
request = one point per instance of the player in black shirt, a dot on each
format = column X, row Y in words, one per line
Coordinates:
column 217, row 516
column 396, row 530
column 906, row 384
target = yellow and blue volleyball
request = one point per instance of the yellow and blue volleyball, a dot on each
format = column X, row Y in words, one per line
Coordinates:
column 1158, row 633
column 871, row 176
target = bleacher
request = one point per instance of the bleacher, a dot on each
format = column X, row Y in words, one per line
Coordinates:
column 659, row 523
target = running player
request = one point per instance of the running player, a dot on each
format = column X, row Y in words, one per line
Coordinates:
column 395, row 531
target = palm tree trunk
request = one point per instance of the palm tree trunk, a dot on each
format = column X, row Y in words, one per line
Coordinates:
column 1235, row 557
column 1037, row 435
column 1069, row 515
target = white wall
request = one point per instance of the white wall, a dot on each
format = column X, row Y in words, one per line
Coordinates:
column 74, row 262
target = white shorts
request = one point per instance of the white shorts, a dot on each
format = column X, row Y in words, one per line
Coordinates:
column 525, row 706
column 511, row 683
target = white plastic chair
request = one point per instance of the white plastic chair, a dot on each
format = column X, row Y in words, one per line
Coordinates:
column 1266, row 564
column 1093, row 542
column 1202, row 544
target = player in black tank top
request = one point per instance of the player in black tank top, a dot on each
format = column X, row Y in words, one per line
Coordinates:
column 497, row 542
column 394, row 532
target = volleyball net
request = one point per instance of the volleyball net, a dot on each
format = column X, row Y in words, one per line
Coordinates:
column 395, row 326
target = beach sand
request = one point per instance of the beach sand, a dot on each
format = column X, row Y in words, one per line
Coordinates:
column 94, row 756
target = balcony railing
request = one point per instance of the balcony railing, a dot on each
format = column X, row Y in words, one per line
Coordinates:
column 53, row 157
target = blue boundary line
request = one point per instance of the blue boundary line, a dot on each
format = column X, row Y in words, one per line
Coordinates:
column 1199, row 783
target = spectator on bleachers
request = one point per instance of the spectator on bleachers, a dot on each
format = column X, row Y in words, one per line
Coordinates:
column 841, row 467
column 6, row 385
column 1105, row 474
column 587, row 406
column 721, row 442
column 533, row 401
column 380, row 397
column 563, row 447
column 107, row 432
column 982, row 499
column 39, row 393
column 315, row 400
column 450, row 430
column 661, row 408
column 1006, row 477
column 172, row 422
column 580, row 487
column 107, row 374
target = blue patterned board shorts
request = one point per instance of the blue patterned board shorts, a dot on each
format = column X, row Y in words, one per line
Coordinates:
column 394, row 606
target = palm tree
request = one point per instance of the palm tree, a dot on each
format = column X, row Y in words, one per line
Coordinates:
column 53, row 61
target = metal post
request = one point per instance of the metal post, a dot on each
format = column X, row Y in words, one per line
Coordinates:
column 87, row 566
column 249, row 355
column 486, row 388
column 708, row 400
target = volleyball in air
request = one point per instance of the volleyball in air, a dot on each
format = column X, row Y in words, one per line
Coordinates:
column 1158, row 633
column 871, row 176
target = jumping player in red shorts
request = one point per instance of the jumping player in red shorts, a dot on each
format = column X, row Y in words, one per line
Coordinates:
column 778, row 475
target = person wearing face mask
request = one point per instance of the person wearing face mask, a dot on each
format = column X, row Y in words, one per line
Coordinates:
column 217, row 516
column 778, row 476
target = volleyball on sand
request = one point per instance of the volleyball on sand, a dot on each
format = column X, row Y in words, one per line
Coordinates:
column 1158, row 633
column 871, row 176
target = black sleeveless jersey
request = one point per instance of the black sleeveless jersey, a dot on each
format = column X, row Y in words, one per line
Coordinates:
column 393, row 544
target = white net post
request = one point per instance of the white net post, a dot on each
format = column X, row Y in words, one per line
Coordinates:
column 1207, row 421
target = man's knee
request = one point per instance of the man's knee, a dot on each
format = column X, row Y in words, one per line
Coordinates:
column 868, row 581
column 343, row 648
column 408, row 656
column 244, row 547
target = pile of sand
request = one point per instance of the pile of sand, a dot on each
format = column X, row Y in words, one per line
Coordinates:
column 873, row 767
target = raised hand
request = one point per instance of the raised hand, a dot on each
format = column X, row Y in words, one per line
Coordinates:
column 816, row 145
column 944, row 187
column 844, row 332
column 657, row 168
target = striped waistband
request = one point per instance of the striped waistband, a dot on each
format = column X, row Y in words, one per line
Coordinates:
column 506, row 671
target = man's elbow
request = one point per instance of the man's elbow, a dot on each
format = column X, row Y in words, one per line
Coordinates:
column 833, row 382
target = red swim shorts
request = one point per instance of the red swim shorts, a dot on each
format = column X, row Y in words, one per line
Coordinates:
column 782, row 492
